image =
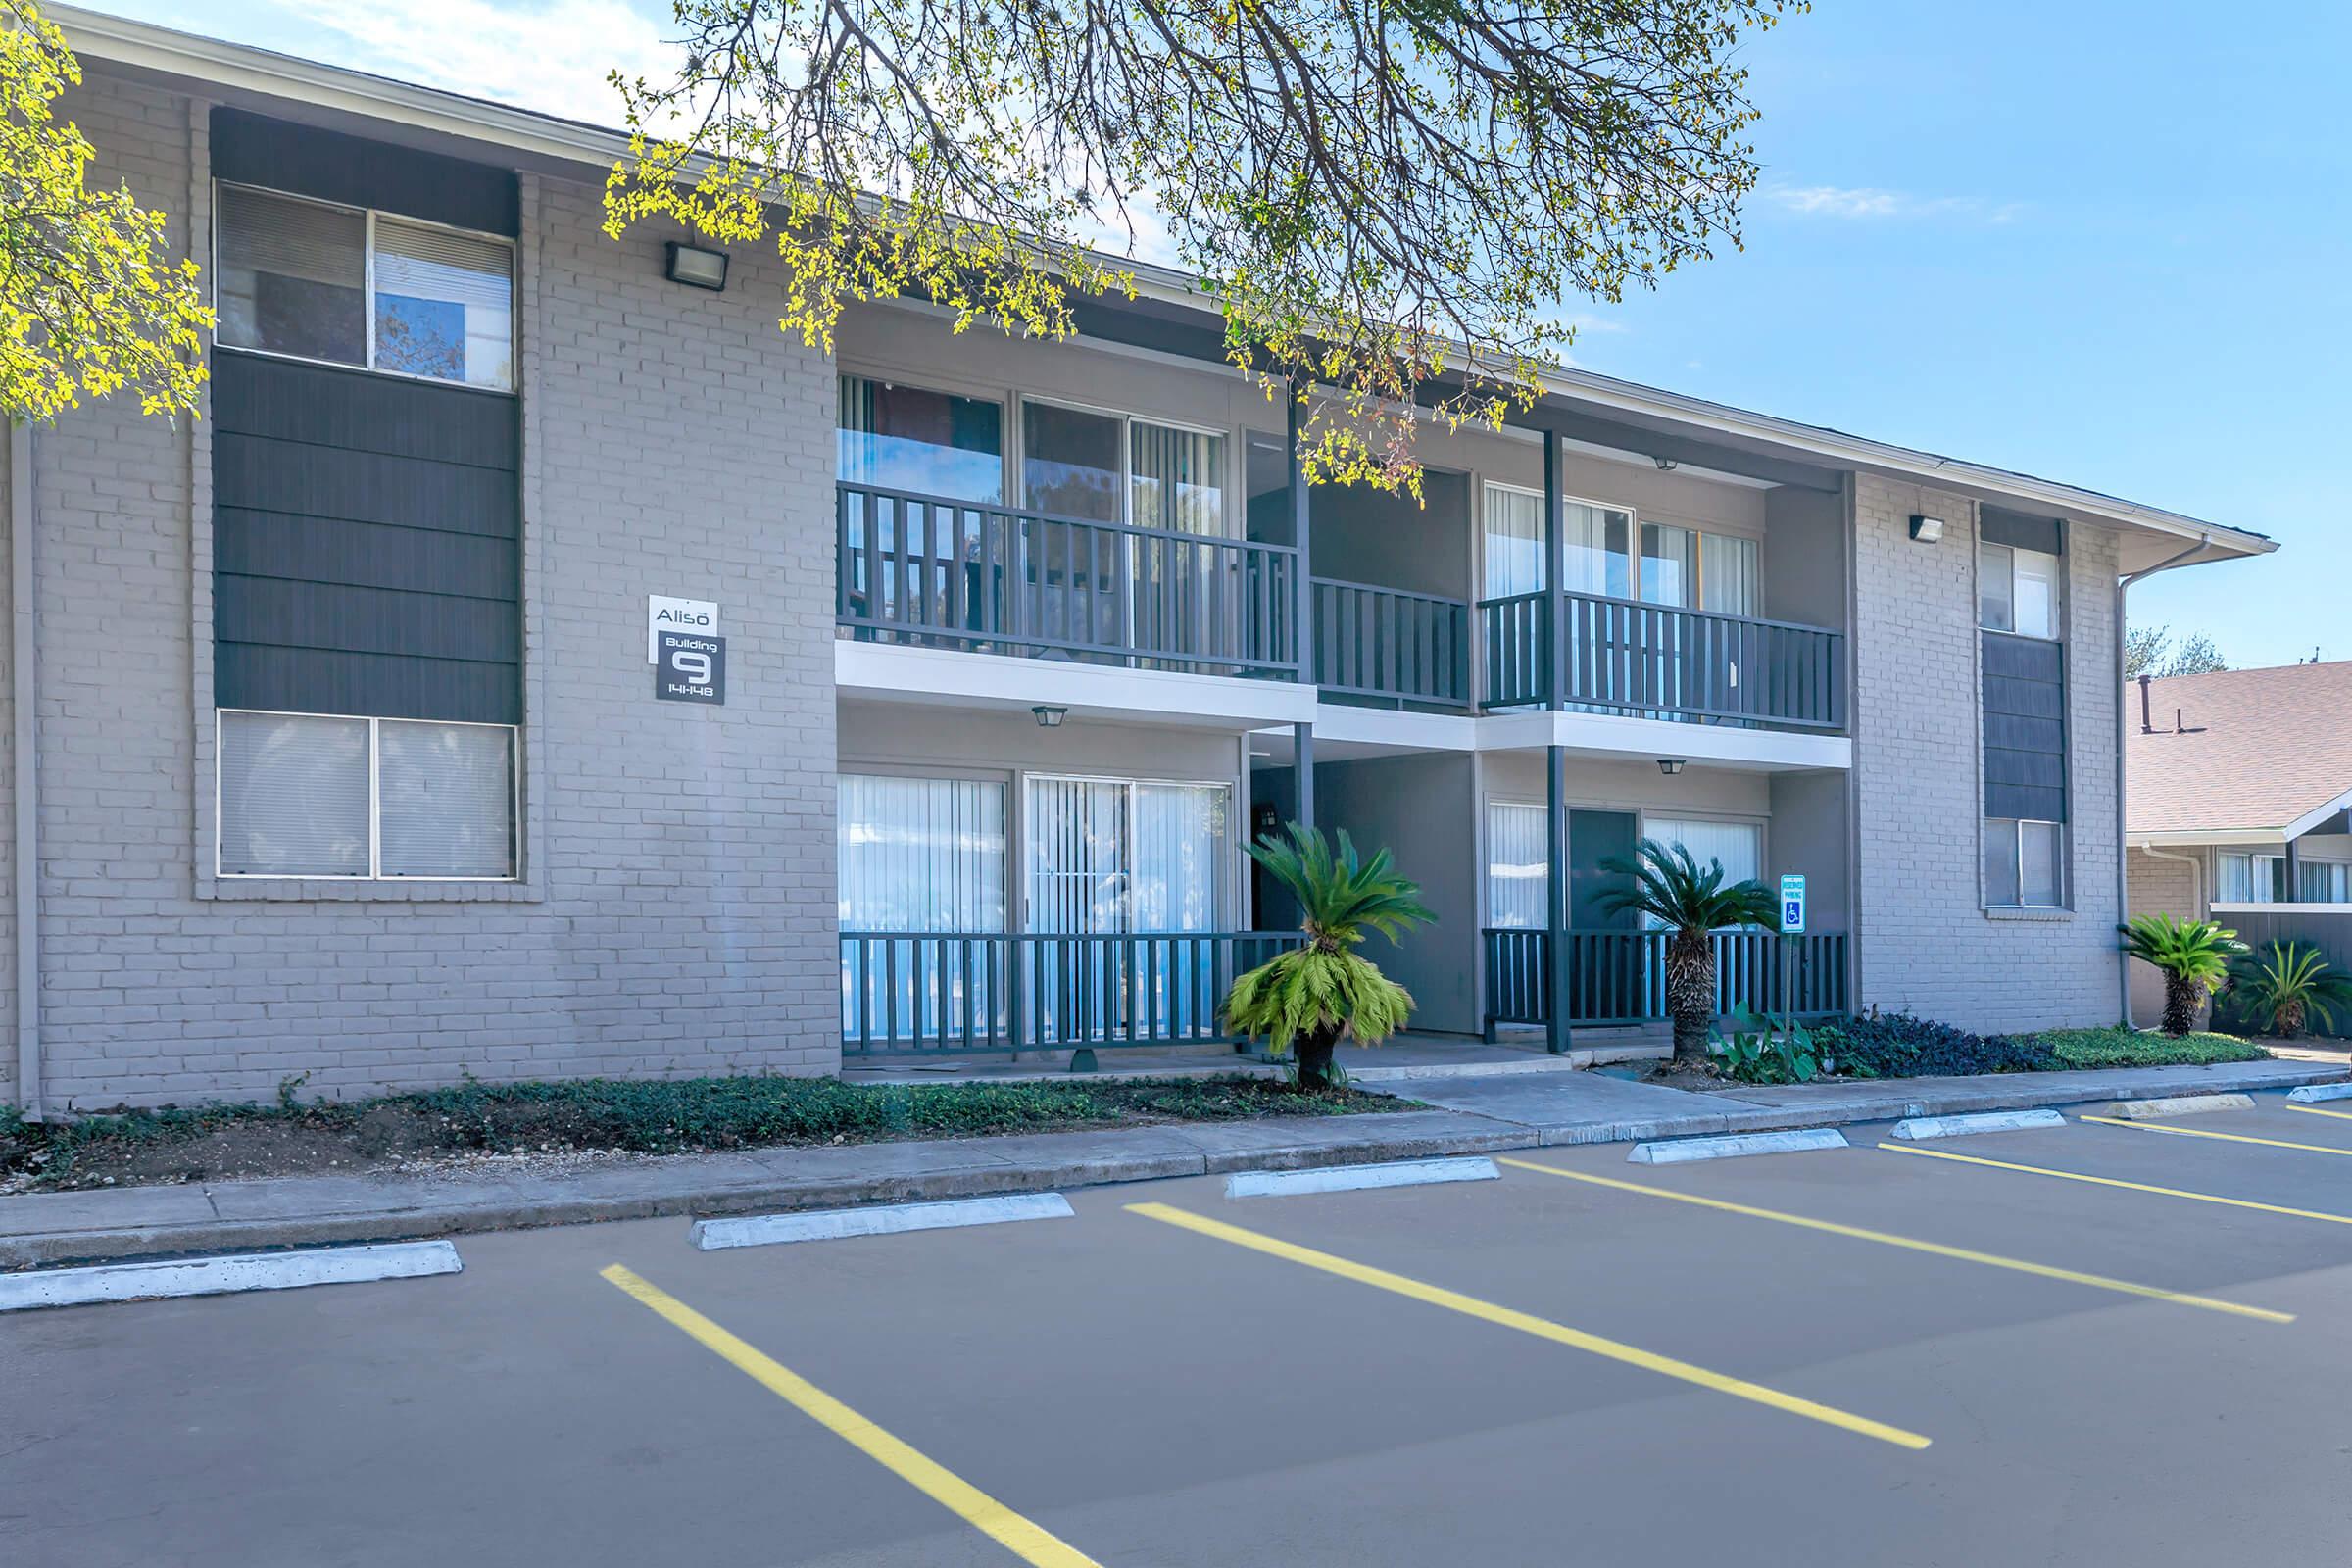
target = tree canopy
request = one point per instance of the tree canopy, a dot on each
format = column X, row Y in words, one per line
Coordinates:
column 1394, row 198
column 2151, row 650
column 91, row 302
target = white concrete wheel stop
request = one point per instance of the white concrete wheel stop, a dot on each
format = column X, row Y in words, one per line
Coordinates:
column 882, row 1219
column 1359, row 1178
column 228, row 1274
column 1681, row 1151
column 1989, row 1121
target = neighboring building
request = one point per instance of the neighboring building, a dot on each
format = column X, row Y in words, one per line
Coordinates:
column 2240, row 783
column 351, row 762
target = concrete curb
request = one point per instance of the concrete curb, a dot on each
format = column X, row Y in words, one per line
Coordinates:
column 1359, row 1178
column 2179, row 1106
column 2312, row 1093
column 1989, row 1121
column 1681, row 1151
column 226, row 1275
column 893, row 1219
column 147, row 1222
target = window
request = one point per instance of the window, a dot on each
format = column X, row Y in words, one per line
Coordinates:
column 1106, row 468
column 2024, row 863
column 317, row 796
column 1518, row 866
column 2248, row 878
column 2324, row 882
column 931, row 443
column 1678, row 566
column 921, row 853
column 1738, row 845
column 2019, row 591
column 349, row 286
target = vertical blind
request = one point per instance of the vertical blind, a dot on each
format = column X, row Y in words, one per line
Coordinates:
column 1106, row 855
column 1177, row 480
column 1514, row 541
column 921, row 853
column 1518, row 865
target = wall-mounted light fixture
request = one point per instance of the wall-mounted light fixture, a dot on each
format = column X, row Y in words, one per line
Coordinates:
column 1667, row 464
column 1670, row 766
column 1927, row 530
column 697, row 268
column 1050, row 716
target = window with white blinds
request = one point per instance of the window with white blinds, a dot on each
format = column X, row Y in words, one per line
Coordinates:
column 921, row 853
column 1108, row 854
column 294, row 279
column 1518, row 865
column 443, row 304
column 1739, row 846
column 308, row 795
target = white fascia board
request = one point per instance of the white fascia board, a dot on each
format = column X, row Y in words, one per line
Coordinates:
column 948, row 676
column 1765, row 750
column 1347, row 725
column 2191, row 837
column 2313, row 818
column 169, row 52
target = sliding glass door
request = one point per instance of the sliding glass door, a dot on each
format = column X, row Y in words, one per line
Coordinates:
column 1127, row 870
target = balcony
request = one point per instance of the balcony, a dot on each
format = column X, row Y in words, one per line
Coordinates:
column 1619, row 977
column 929, row 572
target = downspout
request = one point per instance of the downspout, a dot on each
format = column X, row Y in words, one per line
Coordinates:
column 2123, row 742
column 24, row 841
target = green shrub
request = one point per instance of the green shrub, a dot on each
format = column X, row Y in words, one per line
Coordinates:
column 2076, row 1049
column 1753, row 1052
column 1900, row 1045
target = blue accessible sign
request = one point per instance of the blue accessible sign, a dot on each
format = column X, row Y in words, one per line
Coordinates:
column 1792, row 904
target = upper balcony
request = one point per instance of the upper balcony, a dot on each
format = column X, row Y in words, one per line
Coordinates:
column 935, row 571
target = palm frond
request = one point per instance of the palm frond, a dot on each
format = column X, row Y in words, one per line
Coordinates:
column 2194, row 952
column 1666, row 882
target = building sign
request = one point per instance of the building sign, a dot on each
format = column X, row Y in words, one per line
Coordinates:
column 696, row 616
column 691, row 668
column 1792, row 904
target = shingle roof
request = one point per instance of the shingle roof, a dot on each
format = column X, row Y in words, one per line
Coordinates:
column 2261, row 748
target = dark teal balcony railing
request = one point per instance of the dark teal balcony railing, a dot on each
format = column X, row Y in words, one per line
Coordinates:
column 941, row 992
column 1619, row 977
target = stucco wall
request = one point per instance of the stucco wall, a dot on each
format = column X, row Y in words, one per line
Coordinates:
column 676, row 911
column 1926, row 943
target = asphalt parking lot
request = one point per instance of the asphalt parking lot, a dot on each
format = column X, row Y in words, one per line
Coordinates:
column 2089, row 1344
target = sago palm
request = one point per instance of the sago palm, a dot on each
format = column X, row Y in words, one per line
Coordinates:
column 1314, row 996
column 1692, row 902
column 2193, row 955
column 2285, row 985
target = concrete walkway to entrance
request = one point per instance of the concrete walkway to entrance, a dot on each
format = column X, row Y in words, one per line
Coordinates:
column 1470, row 1114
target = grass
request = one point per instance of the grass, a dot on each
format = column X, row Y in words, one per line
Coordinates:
column 635, row 1116
column 2125, row 1048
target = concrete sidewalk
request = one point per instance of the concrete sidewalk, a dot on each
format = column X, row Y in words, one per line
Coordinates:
column 1469, row 1114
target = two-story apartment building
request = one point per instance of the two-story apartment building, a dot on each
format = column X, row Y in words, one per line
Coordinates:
column 343, row 738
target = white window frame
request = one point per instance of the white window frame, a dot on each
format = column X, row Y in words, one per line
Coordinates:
column 2058, row 602
column 1486, row 861
column 2267, row 885
column 1233, row 522
column 2017, row 832
column 367, row 289
column 375, row 799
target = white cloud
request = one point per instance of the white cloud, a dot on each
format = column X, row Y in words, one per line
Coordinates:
column 1870, row 202
column 553, row 57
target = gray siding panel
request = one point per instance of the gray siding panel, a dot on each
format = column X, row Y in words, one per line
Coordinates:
column 253, row 149
column 366, row 545
column 2025, row 727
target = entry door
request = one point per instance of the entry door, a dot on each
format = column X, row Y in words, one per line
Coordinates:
column 1605, row 968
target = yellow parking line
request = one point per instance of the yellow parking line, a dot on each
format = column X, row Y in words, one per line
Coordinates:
column 2109, row 1181
column 1527, row 1323
column 1936, row 1248
column 2200, row 1132
column 2314, row 1110
column 1030, row 1541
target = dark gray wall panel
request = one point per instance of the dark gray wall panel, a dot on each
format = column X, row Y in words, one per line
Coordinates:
column 366, row 545
column 2022, row 530
column 309, row 680
column 324, row 406
column 2025, row 727
column 254, row 150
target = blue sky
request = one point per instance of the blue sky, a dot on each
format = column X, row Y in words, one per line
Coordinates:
column 2097, row 240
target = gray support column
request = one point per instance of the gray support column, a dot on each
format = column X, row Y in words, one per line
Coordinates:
column 22, row 597
column 1302, row 769
column 1303, row 611
column 1555, row 568
column 1556, row 1036
column 2293, row 893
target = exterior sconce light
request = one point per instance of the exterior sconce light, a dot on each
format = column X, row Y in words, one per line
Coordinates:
column 1667, row 464
column 697, row 268
column 1050, row 716
column 1927, row 530
column 1670, row 766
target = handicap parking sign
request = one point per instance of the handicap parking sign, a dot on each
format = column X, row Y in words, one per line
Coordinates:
column 1792, row 904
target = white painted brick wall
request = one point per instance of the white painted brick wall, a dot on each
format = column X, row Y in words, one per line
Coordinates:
column 1927, row 944
column 677, row 916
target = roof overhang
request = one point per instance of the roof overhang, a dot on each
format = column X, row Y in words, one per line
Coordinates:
column 1169, row 309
